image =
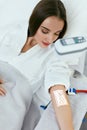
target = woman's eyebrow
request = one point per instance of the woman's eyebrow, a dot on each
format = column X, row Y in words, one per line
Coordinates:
column 45, row 28
column 49, row 29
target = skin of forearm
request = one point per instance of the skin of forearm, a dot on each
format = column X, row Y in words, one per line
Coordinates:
column 63, row 112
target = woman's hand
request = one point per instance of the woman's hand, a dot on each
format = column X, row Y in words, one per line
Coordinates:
column 2, row 90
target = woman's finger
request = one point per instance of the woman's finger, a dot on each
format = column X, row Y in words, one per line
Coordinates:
column 1, row 81
column 2, row 91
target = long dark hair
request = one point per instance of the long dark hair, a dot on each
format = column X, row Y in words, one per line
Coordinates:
column 44, row 9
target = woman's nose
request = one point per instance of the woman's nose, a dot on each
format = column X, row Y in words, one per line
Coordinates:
column 50, row 38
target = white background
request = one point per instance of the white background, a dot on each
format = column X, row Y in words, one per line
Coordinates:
column 15, row 10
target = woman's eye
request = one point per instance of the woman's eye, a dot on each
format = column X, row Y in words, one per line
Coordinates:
column 44, row 31
column 57, row 34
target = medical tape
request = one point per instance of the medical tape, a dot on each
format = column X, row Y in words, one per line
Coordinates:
column 60, row 98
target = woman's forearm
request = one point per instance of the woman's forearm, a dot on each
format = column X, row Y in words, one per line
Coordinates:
column 62, row 107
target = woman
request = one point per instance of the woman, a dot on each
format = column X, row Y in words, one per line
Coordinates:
column 38, row 61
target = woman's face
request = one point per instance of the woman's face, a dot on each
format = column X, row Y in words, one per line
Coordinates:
column 48, row 31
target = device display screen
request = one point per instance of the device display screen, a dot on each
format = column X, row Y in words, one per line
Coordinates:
column 73, row 40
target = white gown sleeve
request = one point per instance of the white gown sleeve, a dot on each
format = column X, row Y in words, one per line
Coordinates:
column 57, row 72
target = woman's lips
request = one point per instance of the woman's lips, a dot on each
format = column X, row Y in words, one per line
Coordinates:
column 46, row 43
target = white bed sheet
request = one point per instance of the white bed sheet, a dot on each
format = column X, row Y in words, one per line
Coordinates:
column 16, row 103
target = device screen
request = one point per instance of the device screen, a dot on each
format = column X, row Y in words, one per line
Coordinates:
column 73, row 40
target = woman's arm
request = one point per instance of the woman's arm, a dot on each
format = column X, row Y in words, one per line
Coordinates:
column 62, row 107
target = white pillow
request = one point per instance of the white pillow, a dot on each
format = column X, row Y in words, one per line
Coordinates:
column 76, row 16
column 15, row 10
